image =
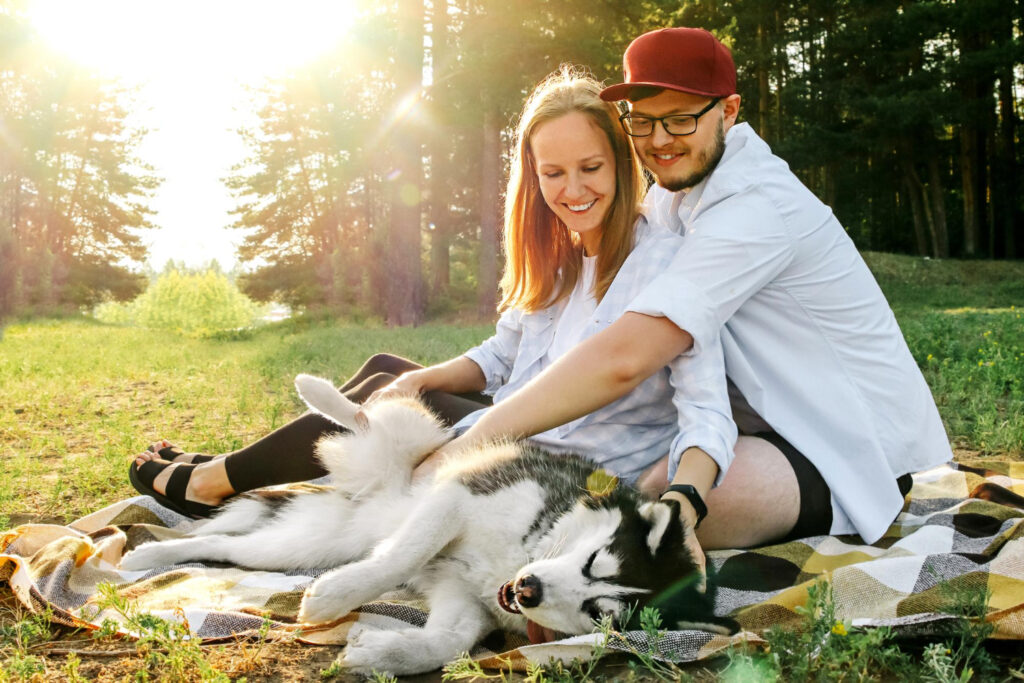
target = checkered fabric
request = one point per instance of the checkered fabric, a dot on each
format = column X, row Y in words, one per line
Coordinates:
column 962, row 528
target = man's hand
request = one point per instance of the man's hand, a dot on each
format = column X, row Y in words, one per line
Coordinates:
column 698, row 558
column 689, row 518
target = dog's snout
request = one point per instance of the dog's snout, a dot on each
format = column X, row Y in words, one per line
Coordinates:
column 529, row 591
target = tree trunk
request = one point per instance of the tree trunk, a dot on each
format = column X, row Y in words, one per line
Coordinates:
column 405, row 300
column 975, row 96
column 919, row 202
column 781, row 61
column 440, row 216
column 379, row 276
column 763, row 92
column 490, row 214
column 968, row 164
column 914, row 198
column 938, row 207
column 8, row 236
column 1006, row 172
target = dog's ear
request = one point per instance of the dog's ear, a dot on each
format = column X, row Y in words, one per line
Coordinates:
column 665, row 524
column 323, row 398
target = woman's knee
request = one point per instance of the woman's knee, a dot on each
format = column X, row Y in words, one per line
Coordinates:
column 364, row 389
column 388, row 364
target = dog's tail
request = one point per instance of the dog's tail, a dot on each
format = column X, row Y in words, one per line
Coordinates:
column 386, row 441
column 323, row 398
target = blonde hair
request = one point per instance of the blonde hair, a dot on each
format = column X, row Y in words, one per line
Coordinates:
column 543, row 258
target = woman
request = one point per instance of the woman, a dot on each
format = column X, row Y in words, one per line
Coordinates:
column 576, row 253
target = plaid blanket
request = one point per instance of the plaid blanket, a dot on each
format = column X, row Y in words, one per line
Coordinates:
column 962, row 528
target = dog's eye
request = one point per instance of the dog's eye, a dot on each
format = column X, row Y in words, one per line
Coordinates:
column 601, row 565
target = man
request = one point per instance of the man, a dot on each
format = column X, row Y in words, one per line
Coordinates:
column 835, row 411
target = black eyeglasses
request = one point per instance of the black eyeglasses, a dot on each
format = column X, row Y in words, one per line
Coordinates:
column 677, row 124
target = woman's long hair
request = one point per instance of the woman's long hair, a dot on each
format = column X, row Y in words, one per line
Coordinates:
column 543, row 258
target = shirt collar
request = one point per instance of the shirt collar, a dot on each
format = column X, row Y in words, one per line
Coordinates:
column 677, row 210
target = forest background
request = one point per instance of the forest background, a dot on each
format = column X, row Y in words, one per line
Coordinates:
column 375, row 176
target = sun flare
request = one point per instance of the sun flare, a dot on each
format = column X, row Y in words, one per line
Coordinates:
column 143, row 40
column 190, row 64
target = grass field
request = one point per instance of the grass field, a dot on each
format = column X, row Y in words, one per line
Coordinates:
column 78, row 398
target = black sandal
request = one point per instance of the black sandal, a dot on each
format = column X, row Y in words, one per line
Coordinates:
column 171, row 453
column 142, row 479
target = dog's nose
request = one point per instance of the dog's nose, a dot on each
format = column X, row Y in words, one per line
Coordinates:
column 529, row 591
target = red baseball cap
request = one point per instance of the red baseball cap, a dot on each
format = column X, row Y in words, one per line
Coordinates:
column 684, row 59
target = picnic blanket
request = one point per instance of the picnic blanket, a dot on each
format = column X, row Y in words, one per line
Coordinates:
column 962, row 528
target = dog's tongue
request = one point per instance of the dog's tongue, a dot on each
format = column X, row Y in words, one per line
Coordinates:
column 540, row 634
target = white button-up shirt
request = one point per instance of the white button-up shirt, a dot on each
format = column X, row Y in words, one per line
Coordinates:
column 682, row 405
column 807, row 334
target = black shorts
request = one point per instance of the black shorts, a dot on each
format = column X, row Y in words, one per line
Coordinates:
column 815, row 518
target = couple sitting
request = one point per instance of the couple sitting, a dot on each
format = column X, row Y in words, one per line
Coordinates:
column 724, row 345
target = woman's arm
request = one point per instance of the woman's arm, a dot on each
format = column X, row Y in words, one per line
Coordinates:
column 598, row 371
column 483, row 368
column 455, row 376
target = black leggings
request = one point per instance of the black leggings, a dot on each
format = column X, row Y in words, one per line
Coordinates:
column 288, row 454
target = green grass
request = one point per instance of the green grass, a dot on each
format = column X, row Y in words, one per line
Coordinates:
column 78, row 398
column 963, row 322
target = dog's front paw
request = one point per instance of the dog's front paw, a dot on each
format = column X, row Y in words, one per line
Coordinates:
column 335, row 594
column 318, row 609
column 321, row 605
column 146, row 556
column 397, row 652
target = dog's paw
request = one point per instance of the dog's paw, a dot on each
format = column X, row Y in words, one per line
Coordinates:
column 396, row 652
column 146, row 556
column 337, row 593
column 321, row 608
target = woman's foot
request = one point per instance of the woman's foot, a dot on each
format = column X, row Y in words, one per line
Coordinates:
column 190, row 489
column 165, row 450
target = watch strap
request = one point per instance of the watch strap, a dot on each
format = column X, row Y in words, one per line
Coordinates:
column 691, row 494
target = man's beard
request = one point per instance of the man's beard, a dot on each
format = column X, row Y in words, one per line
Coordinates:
column 709, row 160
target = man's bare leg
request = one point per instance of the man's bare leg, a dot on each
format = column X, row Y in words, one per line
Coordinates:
column 757, row 502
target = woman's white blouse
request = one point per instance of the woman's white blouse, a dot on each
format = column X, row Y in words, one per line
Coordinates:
column 682, row 405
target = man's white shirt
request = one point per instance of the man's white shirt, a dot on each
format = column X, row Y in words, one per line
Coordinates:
column 807, row 334
column 682, row 405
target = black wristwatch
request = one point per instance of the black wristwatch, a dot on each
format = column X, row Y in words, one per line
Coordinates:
column 691, row 494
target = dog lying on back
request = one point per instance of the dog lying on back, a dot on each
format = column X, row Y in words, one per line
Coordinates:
column 506, row 534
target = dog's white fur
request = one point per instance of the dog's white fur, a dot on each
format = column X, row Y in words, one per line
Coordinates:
column 454, row 543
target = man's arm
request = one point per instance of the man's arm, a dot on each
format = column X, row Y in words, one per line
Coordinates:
column 598, row 371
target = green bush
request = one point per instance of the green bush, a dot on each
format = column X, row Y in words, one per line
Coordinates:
column 194, row 303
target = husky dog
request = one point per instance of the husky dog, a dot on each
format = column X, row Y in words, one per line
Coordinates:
column 505, row 534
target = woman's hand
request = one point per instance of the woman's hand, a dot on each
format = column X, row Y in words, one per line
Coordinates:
column 412, row 383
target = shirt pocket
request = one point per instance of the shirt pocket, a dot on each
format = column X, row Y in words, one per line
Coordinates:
column 538, row 331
